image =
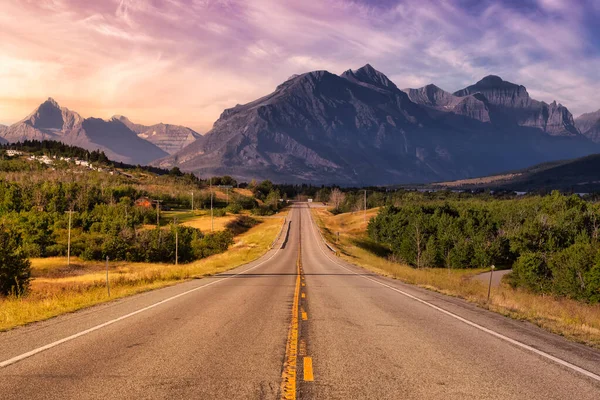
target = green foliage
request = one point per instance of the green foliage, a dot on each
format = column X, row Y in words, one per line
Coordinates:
column 219, row 212
column 241, row 224
column 14, row 265
column 552, row 242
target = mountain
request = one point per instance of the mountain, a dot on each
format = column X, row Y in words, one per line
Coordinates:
column 511, row 104
column 170, row 138
column 359, row 128
column 52, row 122
column 439, row 102
column 589, row 125
column 320, row 127
column 2, row 129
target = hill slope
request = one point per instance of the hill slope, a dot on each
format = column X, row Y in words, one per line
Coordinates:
column 580, row 175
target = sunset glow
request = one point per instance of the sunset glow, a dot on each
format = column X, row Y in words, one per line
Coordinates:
column 184, row 61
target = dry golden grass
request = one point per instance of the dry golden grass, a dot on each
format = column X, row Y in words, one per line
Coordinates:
column 575, row 320
column 244, row 192
column 203, row 222
column 57, row 289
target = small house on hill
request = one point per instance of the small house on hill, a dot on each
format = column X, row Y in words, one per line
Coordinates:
column 143, row 202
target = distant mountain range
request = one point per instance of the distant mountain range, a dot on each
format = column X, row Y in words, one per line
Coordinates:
column 359, row 128
column 170, row 138
column 350, row 129
column 118, row 137
column 589, row 125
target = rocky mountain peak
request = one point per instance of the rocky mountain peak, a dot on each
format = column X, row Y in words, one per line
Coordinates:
column 369, row 76
column 52, row 102
column 589, row 125
column 432, row 96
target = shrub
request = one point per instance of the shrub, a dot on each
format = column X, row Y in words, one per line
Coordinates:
column 15, row 268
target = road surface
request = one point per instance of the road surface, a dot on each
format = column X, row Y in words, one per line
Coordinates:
column 310, row 327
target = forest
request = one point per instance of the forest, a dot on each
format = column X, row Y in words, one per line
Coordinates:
column 551, row 242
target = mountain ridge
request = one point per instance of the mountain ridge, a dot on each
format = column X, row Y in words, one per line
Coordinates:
column 50, row 121
column 358, row 127
column 589, row 125
column 168, row 137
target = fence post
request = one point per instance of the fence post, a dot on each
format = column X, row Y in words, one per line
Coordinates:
column 490, row 285
column 107, row 282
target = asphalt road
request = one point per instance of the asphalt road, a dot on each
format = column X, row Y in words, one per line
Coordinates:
column 229, row 337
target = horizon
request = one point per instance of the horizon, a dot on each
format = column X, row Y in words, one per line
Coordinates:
column 185, row 62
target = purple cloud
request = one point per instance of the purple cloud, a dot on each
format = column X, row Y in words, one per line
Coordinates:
column 185, row 61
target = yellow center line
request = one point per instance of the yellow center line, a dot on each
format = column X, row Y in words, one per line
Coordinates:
column 303, row 295
column 304, row 316
column 308, row 370
column 288, row 376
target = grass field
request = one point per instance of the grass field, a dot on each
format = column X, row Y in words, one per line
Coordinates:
column 575, row 320
column 57, row 289
column 199, row 219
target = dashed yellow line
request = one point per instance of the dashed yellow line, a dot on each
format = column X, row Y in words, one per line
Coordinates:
column 288, row 376
column 304, row 316
column 303, row 295
column 308, row 370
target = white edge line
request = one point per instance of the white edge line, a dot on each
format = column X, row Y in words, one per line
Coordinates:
column 466, row 321
column 38, row 350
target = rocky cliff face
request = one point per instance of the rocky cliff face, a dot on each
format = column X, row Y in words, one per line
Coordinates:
column 589, row 125
column 51, row 122
column 473, row 106
column 170, row 138
column 321, row 127
column 360, row 128
column 511, row 104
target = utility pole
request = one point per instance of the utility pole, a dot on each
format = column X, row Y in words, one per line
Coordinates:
column 365, row 213
column 107, row 282
column 157, row 212
column 212, row 220
column 192, row 201
column 490, row 286
column 176, row 241
column 69, row 239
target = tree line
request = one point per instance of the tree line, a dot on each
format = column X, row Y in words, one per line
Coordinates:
column 551, row 242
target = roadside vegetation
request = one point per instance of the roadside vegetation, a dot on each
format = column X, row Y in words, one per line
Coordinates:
column 80, row 207
column 57, row 289
column 441, row 240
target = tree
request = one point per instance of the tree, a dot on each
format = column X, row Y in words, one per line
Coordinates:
column 15, row 268
column 336, row 198
column 175, row 171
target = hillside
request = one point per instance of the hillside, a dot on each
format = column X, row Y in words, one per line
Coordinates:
column 580, row 175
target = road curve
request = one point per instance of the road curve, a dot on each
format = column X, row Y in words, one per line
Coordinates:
column 358, row 336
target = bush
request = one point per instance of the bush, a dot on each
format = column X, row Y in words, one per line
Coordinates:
column 234, row 208
column 15, row 268
column 241, row 224
column 219, row 212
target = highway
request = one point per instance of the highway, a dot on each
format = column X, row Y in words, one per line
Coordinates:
column 297, row 323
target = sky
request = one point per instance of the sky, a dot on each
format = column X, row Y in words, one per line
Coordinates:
column 185, row 61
